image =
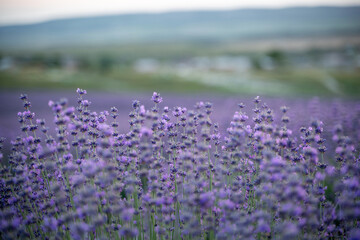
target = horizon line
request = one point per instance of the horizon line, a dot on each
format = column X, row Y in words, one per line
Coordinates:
column 169, row 11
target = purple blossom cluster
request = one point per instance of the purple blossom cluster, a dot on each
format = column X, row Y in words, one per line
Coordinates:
column 176, row 175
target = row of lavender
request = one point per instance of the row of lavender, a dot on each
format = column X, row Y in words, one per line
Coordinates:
column 176, row 175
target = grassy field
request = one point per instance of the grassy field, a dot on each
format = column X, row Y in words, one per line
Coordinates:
column 280, row 82
column 111, row 68
column 117, row 80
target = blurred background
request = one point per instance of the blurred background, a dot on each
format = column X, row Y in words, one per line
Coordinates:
column 301, row 53
column 271, row 48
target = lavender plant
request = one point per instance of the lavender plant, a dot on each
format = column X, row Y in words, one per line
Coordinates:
column 175, row 175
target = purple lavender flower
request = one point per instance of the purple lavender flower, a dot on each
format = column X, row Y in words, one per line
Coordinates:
column 178, row 176
column 156, row 98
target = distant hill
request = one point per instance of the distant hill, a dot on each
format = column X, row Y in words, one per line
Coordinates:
column 194, row 26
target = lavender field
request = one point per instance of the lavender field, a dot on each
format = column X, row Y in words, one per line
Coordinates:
column 174, row 167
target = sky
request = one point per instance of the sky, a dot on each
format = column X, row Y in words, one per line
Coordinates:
column 31, row 11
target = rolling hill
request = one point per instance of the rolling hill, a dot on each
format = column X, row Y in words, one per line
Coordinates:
column 195, row 26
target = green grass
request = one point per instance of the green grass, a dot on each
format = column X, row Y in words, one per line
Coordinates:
column 350, row 82
column 316, row 81
column 117, row 80
column 281, row 82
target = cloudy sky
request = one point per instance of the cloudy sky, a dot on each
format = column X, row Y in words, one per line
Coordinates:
column 29, row 11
